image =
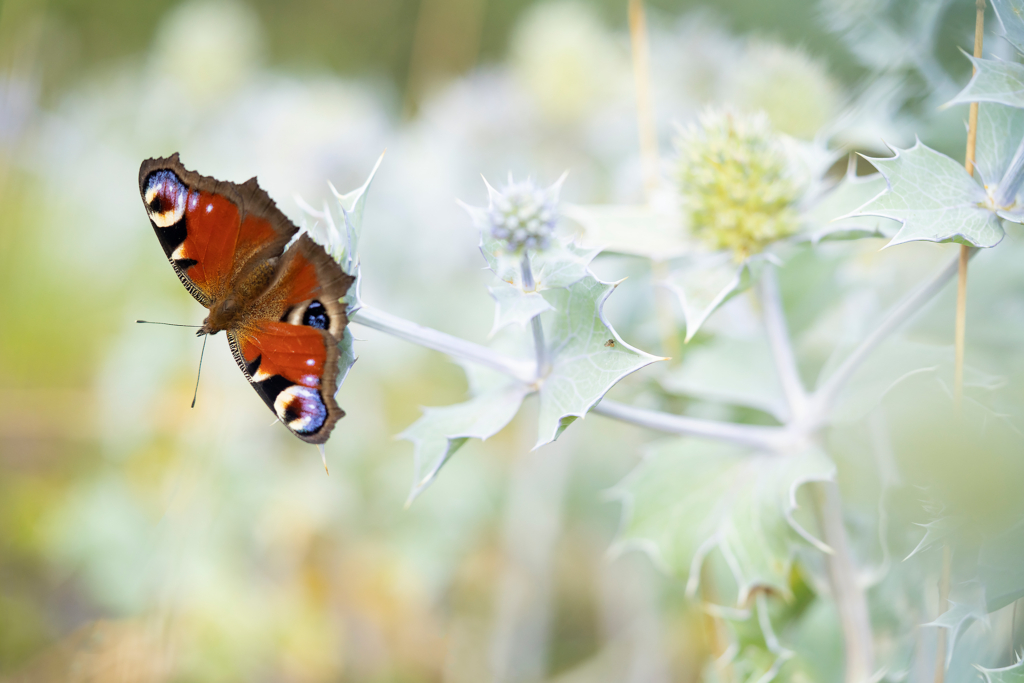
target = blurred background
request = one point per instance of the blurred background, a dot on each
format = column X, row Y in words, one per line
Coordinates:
column 141, row 540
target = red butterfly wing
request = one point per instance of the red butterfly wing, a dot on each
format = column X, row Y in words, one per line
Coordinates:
column 292, row 361
column 210, row 230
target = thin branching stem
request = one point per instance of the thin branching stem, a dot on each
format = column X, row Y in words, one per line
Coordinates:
column 823, row 399
column 762, row 438
column 781, row 346
column 766, row 438
column 851, row 602
column 439, row 341
column 539, row 345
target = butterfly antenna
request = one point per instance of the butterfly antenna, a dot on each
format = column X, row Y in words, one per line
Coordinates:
column 198, row 374
column 150, row 322
column 323, row 456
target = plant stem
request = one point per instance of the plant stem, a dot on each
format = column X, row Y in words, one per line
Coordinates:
column 439, row 341
column 540, row 347
column 766, row 438
column 847, row 592
column 644, row 109
column 822, row 399
column 782, row 347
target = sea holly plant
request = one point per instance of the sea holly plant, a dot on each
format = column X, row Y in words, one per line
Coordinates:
column 753, row 496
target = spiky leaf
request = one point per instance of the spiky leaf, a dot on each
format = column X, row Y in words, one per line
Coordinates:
column 587, row 356
column 736, row 371
column 690, row 496
column 829, row 218
column 706, row 282
column 1011, row 16
column 999, row 129
column 993, row 81
column 514, row 306
column 442, row 431
column 934, row 198
column 1008, row 674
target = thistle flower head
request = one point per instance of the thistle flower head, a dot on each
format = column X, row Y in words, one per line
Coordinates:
column 735, row 183
column 523, row 216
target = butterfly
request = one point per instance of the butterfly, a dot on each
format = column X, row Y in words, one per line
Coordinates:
column 280, row 307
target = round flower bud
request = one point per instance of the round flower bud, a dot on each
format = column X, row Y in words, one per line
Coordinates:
column 523, row 216
column 737, row 191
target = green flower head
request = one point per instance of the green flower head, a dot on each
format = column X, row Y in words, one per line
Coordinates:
column 734, row 179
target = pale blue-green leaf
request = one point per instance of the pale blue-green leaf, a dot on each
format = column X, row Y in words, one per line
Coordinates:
column 562, row 265
column 706, row 282
column 637, row 230
column 1000, row 128
column 352, row 204
column 936, row 532
column 442, row 431
column 999, row 567
column 729, row 370
column 829, row 218
column 513, row 306
column 966, row 605
column 993, row 81
column 934, row 198
column 587, row 356
column 887, row 366
column 1008, row 674
column 1011, row 16
column 346, row 355
column 690, row 496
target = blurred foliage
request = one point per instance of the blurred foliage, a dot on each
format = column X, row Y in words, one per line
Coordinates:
column 144, row 541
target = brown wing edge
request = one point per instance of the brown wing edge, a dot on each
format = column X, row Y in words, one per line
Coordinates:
column 334, row 282
column 328, row 386
column 249, row 197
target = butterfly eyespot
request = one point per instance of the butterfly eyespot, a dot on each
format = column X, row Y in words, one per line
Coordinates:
column 316, row 316
column 301, row 408
column 165, row 196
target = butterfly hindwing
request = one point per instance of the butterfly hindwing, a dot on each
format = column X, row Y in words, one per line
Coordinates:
column 210, row 230
column 291, row 354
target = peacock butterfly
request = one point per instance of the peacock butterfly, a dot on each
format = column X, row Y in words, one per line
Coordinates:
column 280, row 307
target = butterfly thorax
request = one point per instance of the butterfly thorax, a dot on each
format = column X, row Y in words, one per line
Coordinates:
column 233, row 310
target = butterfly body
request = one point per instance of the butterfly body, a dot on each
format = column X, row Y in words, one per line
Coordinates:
column 280, row 307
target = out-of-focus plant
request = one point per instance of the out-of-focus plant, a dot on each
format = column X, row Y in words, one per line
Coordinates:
column 808, row 430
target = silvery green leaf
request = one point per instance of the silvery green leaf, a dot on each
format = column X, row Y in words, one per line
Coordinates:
column 635, row 230
column 352, row 204
column 707, row 282
column 562, row 265
column 999, row 129
column 829, row 218
column 346, row 355
column 966, row 605
column 887, row 366
column 736, row 371
column 1011, row 16
column 514, row 306
column 935, row 532
column 1008, row 674
column 934, row 198
column 587, row 356
column 690, row 496
column 999, row 567
column 442, row 431
column 993, row 81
